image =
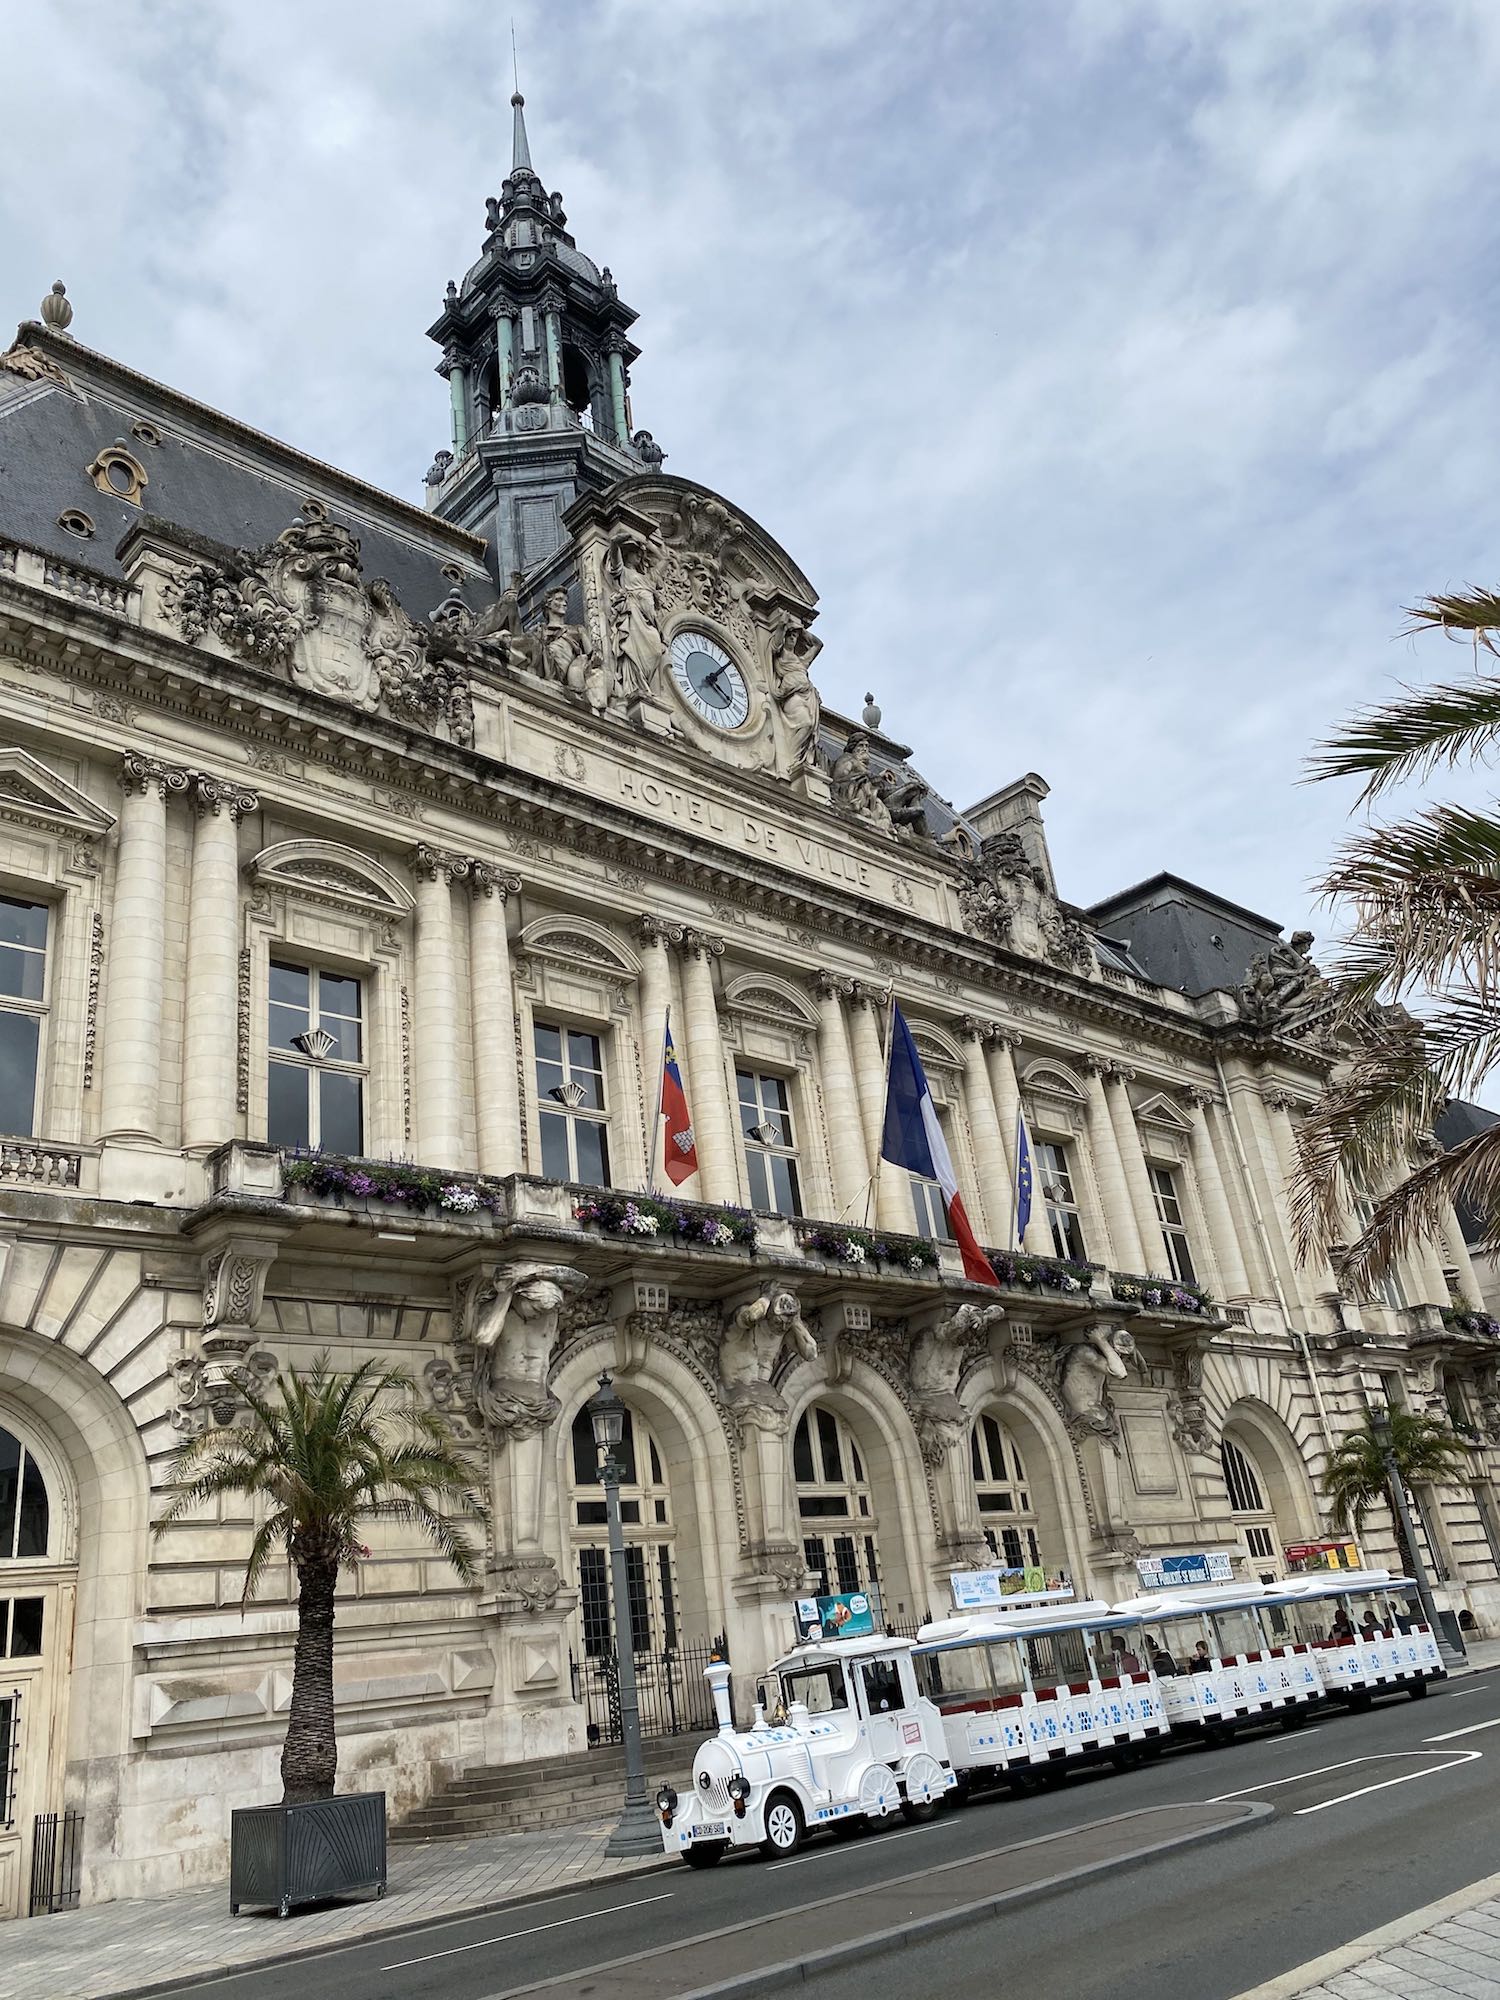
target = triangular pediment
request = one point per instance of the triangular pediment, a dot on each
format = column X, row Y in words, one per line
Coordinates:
column 1160, row 1110
column 30, row 792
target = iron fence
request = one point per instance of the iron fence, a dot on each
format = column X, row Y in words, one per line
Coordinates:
column 672, row 1694
column 56, row 1849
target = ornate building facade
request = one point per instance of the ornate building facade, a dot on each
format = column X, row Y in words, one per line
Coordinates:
column 351, row 857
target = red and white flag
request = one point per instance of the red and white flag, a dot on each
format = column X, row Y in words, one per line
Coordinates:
column 680, row 1156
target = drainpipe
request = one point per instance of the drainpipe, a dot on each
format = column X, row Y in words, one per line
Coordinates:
column 1263, row 1234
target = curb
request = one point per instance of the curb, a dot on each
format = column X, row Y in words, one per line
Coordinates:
column 411, row 1927
column 771, row 1978
column 1359, row 1951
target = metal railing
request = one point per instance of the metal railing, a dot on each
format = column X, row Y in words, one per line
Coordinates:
column 670, row 1688
column 56, row 1850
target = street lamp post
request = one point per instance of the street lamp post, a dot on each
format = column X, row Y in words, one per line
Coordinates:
column 1385, row 1444
column 637, row 1831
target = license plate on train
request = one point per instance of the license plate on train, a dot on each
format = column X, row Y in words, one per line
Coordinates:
column 711, row 1829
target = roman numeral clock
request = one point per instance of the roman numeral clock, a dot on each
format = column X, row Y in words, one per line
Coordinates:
column 708, row 681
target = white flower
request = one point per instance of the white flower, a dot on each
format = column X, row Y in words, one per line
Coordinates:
column 854, row 1253
column 463, row 1199
column 1071, row 1284
column 641, row 1224
column 722, row 1234
column 915, row 1264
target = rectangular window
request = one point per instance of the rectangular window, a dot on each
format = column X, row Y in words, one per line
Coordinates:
column 20, row 1628
column 927, row 1202
column 593, row 1582
column 23, row 987
column 1173, row 1228
column 1387, row 1289
column 572, row 1110
column 770, row 1143
column 1054, row 1176
column 315, row 1087
column 815, row 1555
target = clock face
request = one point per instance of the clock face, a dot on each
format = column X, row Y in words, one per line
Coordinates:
column 708, row 681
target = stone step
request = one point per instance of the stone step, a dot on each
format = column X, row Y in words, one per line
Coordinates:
column 500, row 1786
column 531, row 1797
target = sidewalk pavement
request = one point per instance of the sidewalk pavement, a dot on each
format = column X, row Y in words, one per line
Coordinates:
column 1447, row 1951
column 136, row 1945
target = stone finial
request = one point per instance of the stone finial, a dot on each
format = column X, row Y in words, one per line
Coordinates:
column 871, row 716
column 56, row 310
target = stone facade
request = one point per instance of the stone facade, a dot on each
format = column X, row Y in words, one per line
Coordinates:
column 295, row 855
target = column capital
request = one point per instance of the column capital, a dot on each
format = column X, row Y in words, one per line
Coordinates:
column 973, row 1028
column 221, row 795
column 1201, row 1097
column 551, row 300
column 831, row 986
column 139, row 773
column 651, row 929
column 863, row 994
column 487, row 878
column 453, row 361
column 1282, row 1100
column 428, row 863
column 999, row 1036
column 1118, row 1072
column 1102, row 1067
column 694, row 943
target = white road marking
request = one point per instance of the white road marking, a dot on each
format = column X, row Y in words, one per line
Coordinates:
column 819, row 1852
column 506, row 1936
column 1463, row 1757
column 1472, row 1730
column 1346, row 1764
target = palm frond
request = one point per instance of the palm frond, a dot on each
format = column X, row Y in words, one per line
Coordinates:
column 1426, row 729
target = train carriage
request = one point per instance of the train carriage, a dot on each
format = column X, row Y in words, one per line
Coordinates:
column 1028, row 1690
column 1221, row 1660
column 1367, row 1632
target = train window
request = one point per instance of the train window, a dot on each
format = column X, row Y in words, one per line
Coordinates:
column 882, row 1681
column 820, row 1688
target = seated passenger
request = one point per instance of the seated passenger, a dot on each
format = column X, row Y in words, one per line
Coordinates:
column 1161, row 1660
column 1121, row 1659
column 1202, row 1661
column 1369, row 1629
column 1341, row 1631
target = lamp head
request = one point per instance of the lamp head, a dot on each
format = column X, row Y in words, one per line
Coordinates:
column 606, row 1414
column 1380, row 1427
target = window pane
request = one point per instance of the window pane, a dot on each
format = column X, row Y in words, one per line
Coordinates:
column 591, row 1084
column 594, row 1589
column 22, row 973
column 583, row 1051
column 23, row 923
column 337, row 995
column 593, row 1153
column 555, row 1147
column 845, row 1562
column 802, row 1459
column 745, row 1086
column 26, row 1628
column 290, row 984
column 31, row 1529
column 815, row 1555
column 346, row 1038
column 640, row 1609
column 784, row 1184
column 10, row 1486
column 285, row 1024
column 668, row 1607
column 548, row 1042
column 828, row 1439
column 18, row 1047
column 760, row 1184
column 549, row 1080
column 585, row 1451
column 341, row 1107
column 286, row 1105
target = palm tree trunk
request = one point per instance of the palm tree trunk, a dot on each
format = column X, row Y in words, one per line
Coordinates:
column 310, row 1755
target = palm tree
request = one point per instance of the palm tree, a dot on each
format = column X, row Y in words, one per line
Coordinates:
column 1424, row 894
column 323, row 1455
column 1426, row 1452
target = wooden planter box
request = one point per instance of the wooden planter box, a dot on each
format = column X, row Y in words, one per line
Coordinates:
column 306, row 1853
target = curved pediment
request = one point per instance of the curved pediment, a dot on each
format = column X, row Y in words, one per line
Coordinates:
column 693, row 518
column 1054, row 1079
column 331, row 873
column 579, row 942
column 771, row 998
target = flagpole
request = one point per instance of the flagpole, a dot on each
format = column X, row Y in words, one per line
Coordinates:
column 1015, row 1183
column 661, row 1084
column 885, row 1100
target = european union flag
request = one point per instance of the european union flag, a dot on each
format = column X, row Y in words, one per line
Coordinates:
column 1023, row 1179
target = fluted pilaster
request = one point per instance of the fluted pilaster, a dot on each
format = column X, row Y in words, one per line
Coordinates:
column 892, row 1204
column 1118, row 1079
column 1227, row 1270
column 841, row 1105
column 1109, row 1171
column 656, row 937
column 130, row 1082
column 994, row 1220
column 492, row 1010
column 210, row 1025
column 438, row 1136
column 708, row 1087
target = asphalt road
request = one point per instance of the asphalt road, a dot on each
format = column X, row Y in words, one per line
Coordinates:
column 1370, row 1819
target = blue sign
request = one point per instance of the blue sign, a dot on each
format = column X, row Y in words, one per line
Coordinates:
column 849, row 1615
column 1174, row 1572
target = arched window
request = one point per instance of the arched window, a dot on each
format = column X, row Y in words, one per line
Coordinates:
column 834, row 1503
column 25, row 1514
column 646, row 1519
column 1004, row 1493
column 1247, row 1502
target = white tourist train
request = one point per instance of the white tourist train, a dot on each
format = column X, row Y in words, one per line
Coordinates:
column 1367, row 1631
column 852, row 1739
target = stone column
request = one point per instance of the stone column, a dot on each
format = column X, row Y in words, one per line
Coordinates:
column 1223, row 1239
column 437, row 1127
column 892, row 1205
column 209, row 1033
column 846, row 1133
column 1109, row 1170
column 993, row 1221
column 505, row 351
column 1315, row 1281
column 455, row 368
column 617, row 395
column 492, row 1009
column 655, row 936
column 708, row 1091
column 1000, row 1047
column 551, row 309
column 1137, row 1180
column 1457, row 1254
column 130, row 1080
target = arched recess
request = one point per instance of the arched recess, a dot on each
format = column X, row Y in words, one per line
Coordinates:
column 900, row 1518
column 1270, row 1494
column 579, row 941
column 771, row 998
column 329, row 872
column 1057, row 1503
column 675, row 1410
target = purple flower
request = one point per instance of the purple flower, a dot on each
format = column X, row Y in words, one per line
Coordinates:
column 359, row 1184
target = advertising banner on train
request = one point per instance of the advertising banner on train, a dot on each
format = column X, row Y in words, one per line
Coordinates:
column 983, row 1589
column 1173, row 1572
column 848, row 1615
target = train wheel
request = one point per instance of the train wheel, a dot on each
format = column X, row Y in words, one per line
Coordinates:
column 1295, row 1718
column 704, row 1853
column 784, row 1826
column 1125, row 1756
column 1418, row 1690
column 1215, row 1736
column 1359, row 1700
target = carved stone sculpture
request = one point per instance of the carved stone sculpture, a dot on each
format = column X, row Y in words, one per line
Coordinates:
column 750, row 1349
column 635, row 615
column 509, row 1318
column 855, row 787
column 905, row 800
column 937, row 1358
column 1281, row 986
column 799, row 701
column 1087, row 1371
column 572, row 661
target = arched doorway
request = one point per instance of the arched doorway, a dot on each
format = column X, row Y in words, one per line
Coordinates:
column 1254, row 1515
column 36, row 1616
column 1003, row 1490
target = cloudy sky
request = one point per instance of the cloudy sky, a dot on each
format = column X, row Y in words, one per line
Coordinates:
column 1117, row 369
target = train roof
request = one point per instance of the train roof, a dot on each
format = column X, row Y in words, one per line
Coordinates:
column 1087, row 1615
column 823, row 1652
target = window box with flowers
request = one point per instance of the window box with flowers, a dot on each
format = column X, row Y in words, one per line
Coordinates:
column 1158, row 1294
column 417, row 1189
column 699, row 1225
column 1463, row 1321
column 841, row 1245
column 1041, row 1274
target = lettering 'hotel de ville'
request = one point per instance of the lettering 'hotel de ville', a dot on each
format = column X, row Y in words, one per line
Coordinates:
column 353, row 854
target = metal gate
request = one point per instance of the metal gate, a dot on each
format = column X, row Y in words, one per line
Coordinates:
column 672, row 1694
column 56, row 1841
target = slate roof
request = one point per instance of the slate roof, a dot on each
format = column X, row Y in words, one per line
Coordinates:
column 209, row 474
column 1183, row 936
column 1459, row 1121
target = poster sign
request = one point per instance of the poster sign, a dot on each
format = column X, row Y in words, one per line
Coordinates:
column 849, row 1615
column 1303, row 1557
column 983, row 1589
column 1175, row 1572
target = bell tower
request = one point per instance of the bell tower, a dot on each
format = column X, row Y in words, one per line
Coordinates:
column 536, row 352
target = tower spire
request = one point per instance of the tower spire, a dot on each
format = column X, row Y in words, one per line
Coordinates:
column 520, row 152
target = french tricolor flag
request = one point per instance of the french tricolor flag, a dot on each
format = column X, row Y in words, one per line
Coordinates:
column 680, row 1158
column 913, row 1139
